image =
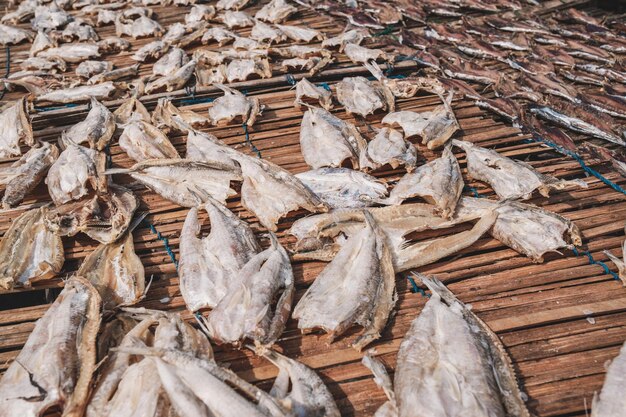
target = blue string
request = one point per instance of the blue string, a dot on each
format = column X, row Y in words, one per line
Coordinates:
column 290, row 79
column 166, row 244
column 107, row 151
column 397, row 76
column 594, row 262
column 416, row 289
column 249, row 142
column 325, row 86
column 197, row 100
column 473, row 190
column 43, row 109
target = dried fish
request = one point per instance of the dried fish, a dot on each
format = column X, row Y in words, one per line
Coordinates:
column 68, row 177
column 263, row 32
column 235, row 19
column 168, row 117
column 200, row 13
column 106, row 17
column 42, row 42
column 352, row 36
column 435, row 127
column 363, row 97
column 51, row 65
column 25, row 10
column 313, row 64
column 50, row 17
column 617, row 158
column 439, row 182
column 612, row 105
column 248, row 309
column 182, row 181
column 174, row 81
column 204, row 147
column 26, row 173
column 170, row 62
column 510, row 179
column 619, row 263
column 389, row 147
column 609, row 403
column 208, row 266
column 300, row 34
column 152, row 50
column 601, row 70
column 357, row 287
column 242, row 69
column 87, row 69
column 131, row 110
column 82, row 93
column 549, row 84
column 482, row 372
column 326, row 140
column 30, row 251
column 359, row 54
column 175, row 32
column 143, row 141
column 15, row 129
column 209, row 75
column 343, row 187
column 306, row 89
column 234, row 104
column 72, row 52
column 219, row 35
column 114, row 75
column 275, row 11
column 142, row 27
column 79, row 30
column 231, row 4
column 97, row 129
column 55, row 366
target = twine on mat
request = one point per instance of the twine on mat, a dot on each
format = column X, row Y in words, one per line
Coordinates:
column 385, row 31
column 6, row 75
column 194, row 100
column 292, row 81
column 594, row 262
column 64, row 106
column 473, row 190
column 325, row 86
column 248, row 141
column 415, row 288
column 165, row 241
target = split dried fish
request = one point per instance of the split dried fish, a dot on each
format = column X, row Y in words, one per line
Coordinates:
column 480, row 380
column 208, row 266
column 68, row 177
column 249, row 310
column 72, row 52
column 79, row 30
column 510, row 179
column 360, row 96
column 313, row 64
column 25, row 11
column 51, row 65
column 326, row 140
column 50, row 17
column 142, row 27
column 168, row 117
column 231, row 4
column 435, row 127
column 352, row 36
column 170, row 62
column 263, row 32
column 30, row 251
column 359, row 54
column 204, row 147
column 357, row 287
column 184, row 182
column 301, row 34
column 234, row 104
column 389, row 147
column 142, row 141
column 88, row 69
column 131, row 110
column 11, row 35
column 175, row 32
column 115, row 74
column 343, row 187
column 15, row 129
column 82, row 93
column 25, row 174
column 219, row 35
column 200, row 13
column 307, row 90
column 41, row 42
column 439, row 182
column 275, row 11
column 152, row 50
column 243, row 69
column 174, row 81
column 610, row 402
column 55, row 366
column 616, row 157
column 116, row 272
column 236, row 19
column 97, row 129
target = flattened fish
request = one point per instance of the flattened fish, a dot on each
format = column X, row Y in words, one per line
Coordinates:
column 208, row 266
column 435, row 127
column 153, row 50
column 183, row 181
column 170, row 62
column 307, row 90
column 81, row 93
column 300, row 34
column 234, row 104
column 390, row 147
column 142, row 141
column 357, row 287
column 69, row 175
column 510, row 179
column 173, row 81
column 205, row 147
column 29, row 251
column 15, row 129
column 363, row 97
column 97, row 129
column 88, row 69
column 275, row 11
column 468, row 371
column 610, row 402
column 169, row 117
column 132, row 109
column 55, row 366
column 344, row 187
column 143, row 27
column 116, row 272
column 26, row 173
column 11, row 35
column 326, row 140
column 439, row 182
column 353, row 36
column 249, row 309
column 360, row 55
column 72, row 52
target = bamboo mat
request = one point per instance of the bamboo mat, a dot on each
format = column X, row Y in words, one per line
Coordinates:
column 560, row 320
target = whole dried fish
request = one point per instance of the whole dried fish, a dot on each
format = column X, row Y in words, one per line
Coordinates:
column 617, row 158
column 97, row 129
column 184, row 182
column 174, row 81
column 612, row 105
column 235, row 19
column 248, row 309
column 50, row 17
column 300, row 34
column 242, row 69
column 55, row 366
column 152, row 50
column 208, row 266
column 482, row 372
column 359, row 54
column 313, row 64
column 142, row 27
column 234, row 104
column 168, row 117
column 82, row 93
column 114, row 75
column 510, row 179
column 79, row 30
column 326, row 140
column 389, row 147
column 87, row 69
column 11, row 35
column 170, row 62
column 51, row 65
column 26, row 173
column 142, row 141
column 25, row 10
column 30, row 251
column 343, row 187
column 41, row 42
column 204, row 147
column 435, row 127
column 200, row 13
column 275, row 11
column 263, row 32
column 72, row 52
column 308, row 90
column 439, row 182
column 15, row 129
column 116, row 272
column 363, row 97
column 219, row 35
column 352, row 36
column 68, row 176
column 357, row 287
